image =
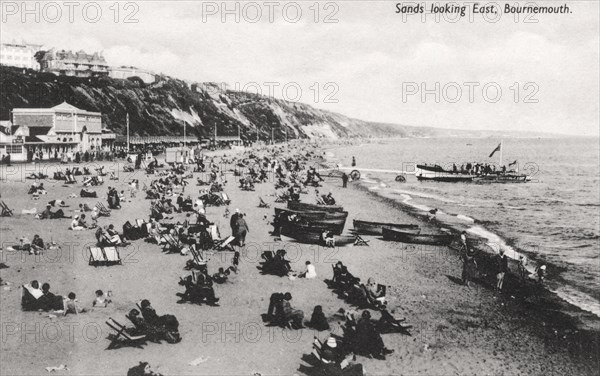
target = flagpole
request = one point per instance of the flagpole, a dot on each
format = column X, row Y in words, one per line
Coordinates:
column 128, row 133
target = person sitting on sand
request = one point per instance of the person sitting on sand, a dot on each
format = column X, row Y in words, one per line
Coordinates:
column 368, row 340
column 49, row 214
column 75, row 224
column 60, row 203
column 375, row 296
column 338, row 273
column 329, row 200
column 292, row 317
column 318, row 320
column 221, row 276
column 100, row 300
column 274, row 313
column 281, row 266
column 36, row 189
column 35, row 290
column 142, row 369
column 328, row 239
column 31, row 296
column 81, row 222
column 37, row 245
column 310, row 272
column 388, row 323
column 334, row 362
column 114, row 235
column 71, row 305
column 48, row 301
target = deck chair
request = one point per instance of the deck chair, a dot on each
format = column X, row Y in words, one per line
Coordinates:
column 6, row 212
column 360, row 241
column 97, row 257
column 225, row 198
column 122, row 337
column 197, row 261
column 171, row 245
column 112, row 256
column 215, row 234
column 224, row 245
column 262, row 203
column 102, row 210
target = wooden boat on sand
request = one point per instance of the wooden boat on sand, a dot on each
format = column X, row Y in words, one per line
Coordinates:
column 303, row 206
column 404, row 237
column 375, row 228
column 313, row 237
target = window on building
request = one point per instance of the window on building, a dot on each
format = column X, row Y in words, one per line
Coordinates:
column 14, row 149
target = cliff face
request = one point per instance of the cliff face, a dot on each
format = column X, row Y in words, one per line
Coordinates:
column 162, row 108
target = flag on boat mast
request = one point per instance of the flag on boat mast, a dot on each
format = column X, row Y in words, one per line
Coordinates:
column 498, row 148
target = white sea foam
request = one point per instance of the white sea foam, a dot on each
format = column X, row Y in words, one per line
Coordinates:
column 579, row 299
column 495, row 242
column 465, row 218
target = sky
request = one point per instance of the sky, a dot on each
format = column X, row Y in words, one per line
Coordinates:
column 358, row 58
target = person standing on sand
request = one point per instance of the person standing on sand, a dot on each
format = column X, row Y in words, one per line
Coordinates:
column 502, row 268
column 344, row 180
column 241, row 230
column 463, row 240
column 353, row 162
column 469, row 266
column 233, row 222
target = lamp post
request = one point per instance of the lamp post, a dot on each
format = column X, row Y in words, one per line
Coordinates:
column 184, row 134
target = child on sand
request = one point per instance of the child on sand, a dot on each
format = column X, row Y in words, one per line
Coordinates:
column 71, row 305
column 100, row 300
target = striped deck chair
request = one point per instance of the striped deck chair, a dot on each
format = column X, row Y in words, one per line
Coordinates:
column 224, row 245
column 6, row 212
column 112, row 256
column 171, row 245
column 225, row 198
column 198, row 261
column 97, row 257
column 122, row 337
column 103, row 211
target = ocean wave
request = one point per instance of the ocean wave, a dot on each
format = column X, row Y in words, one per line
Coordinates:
column 579, row 299
column 425, row 195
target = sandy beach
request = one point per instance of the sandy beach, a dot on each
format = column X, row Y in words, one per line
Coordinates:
column 456, row 330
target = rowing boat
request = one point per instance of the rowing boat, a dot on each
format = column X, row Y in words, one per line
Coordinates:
column 302, row 206
column 404, row 237
column 449, row 178
column 317, row 225
column 375, row 228
column 310, row 237
column 334, row 222
column 304, row 214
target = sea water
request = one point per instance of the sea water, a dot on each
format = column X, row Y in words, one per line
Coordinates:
column 553, row 219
